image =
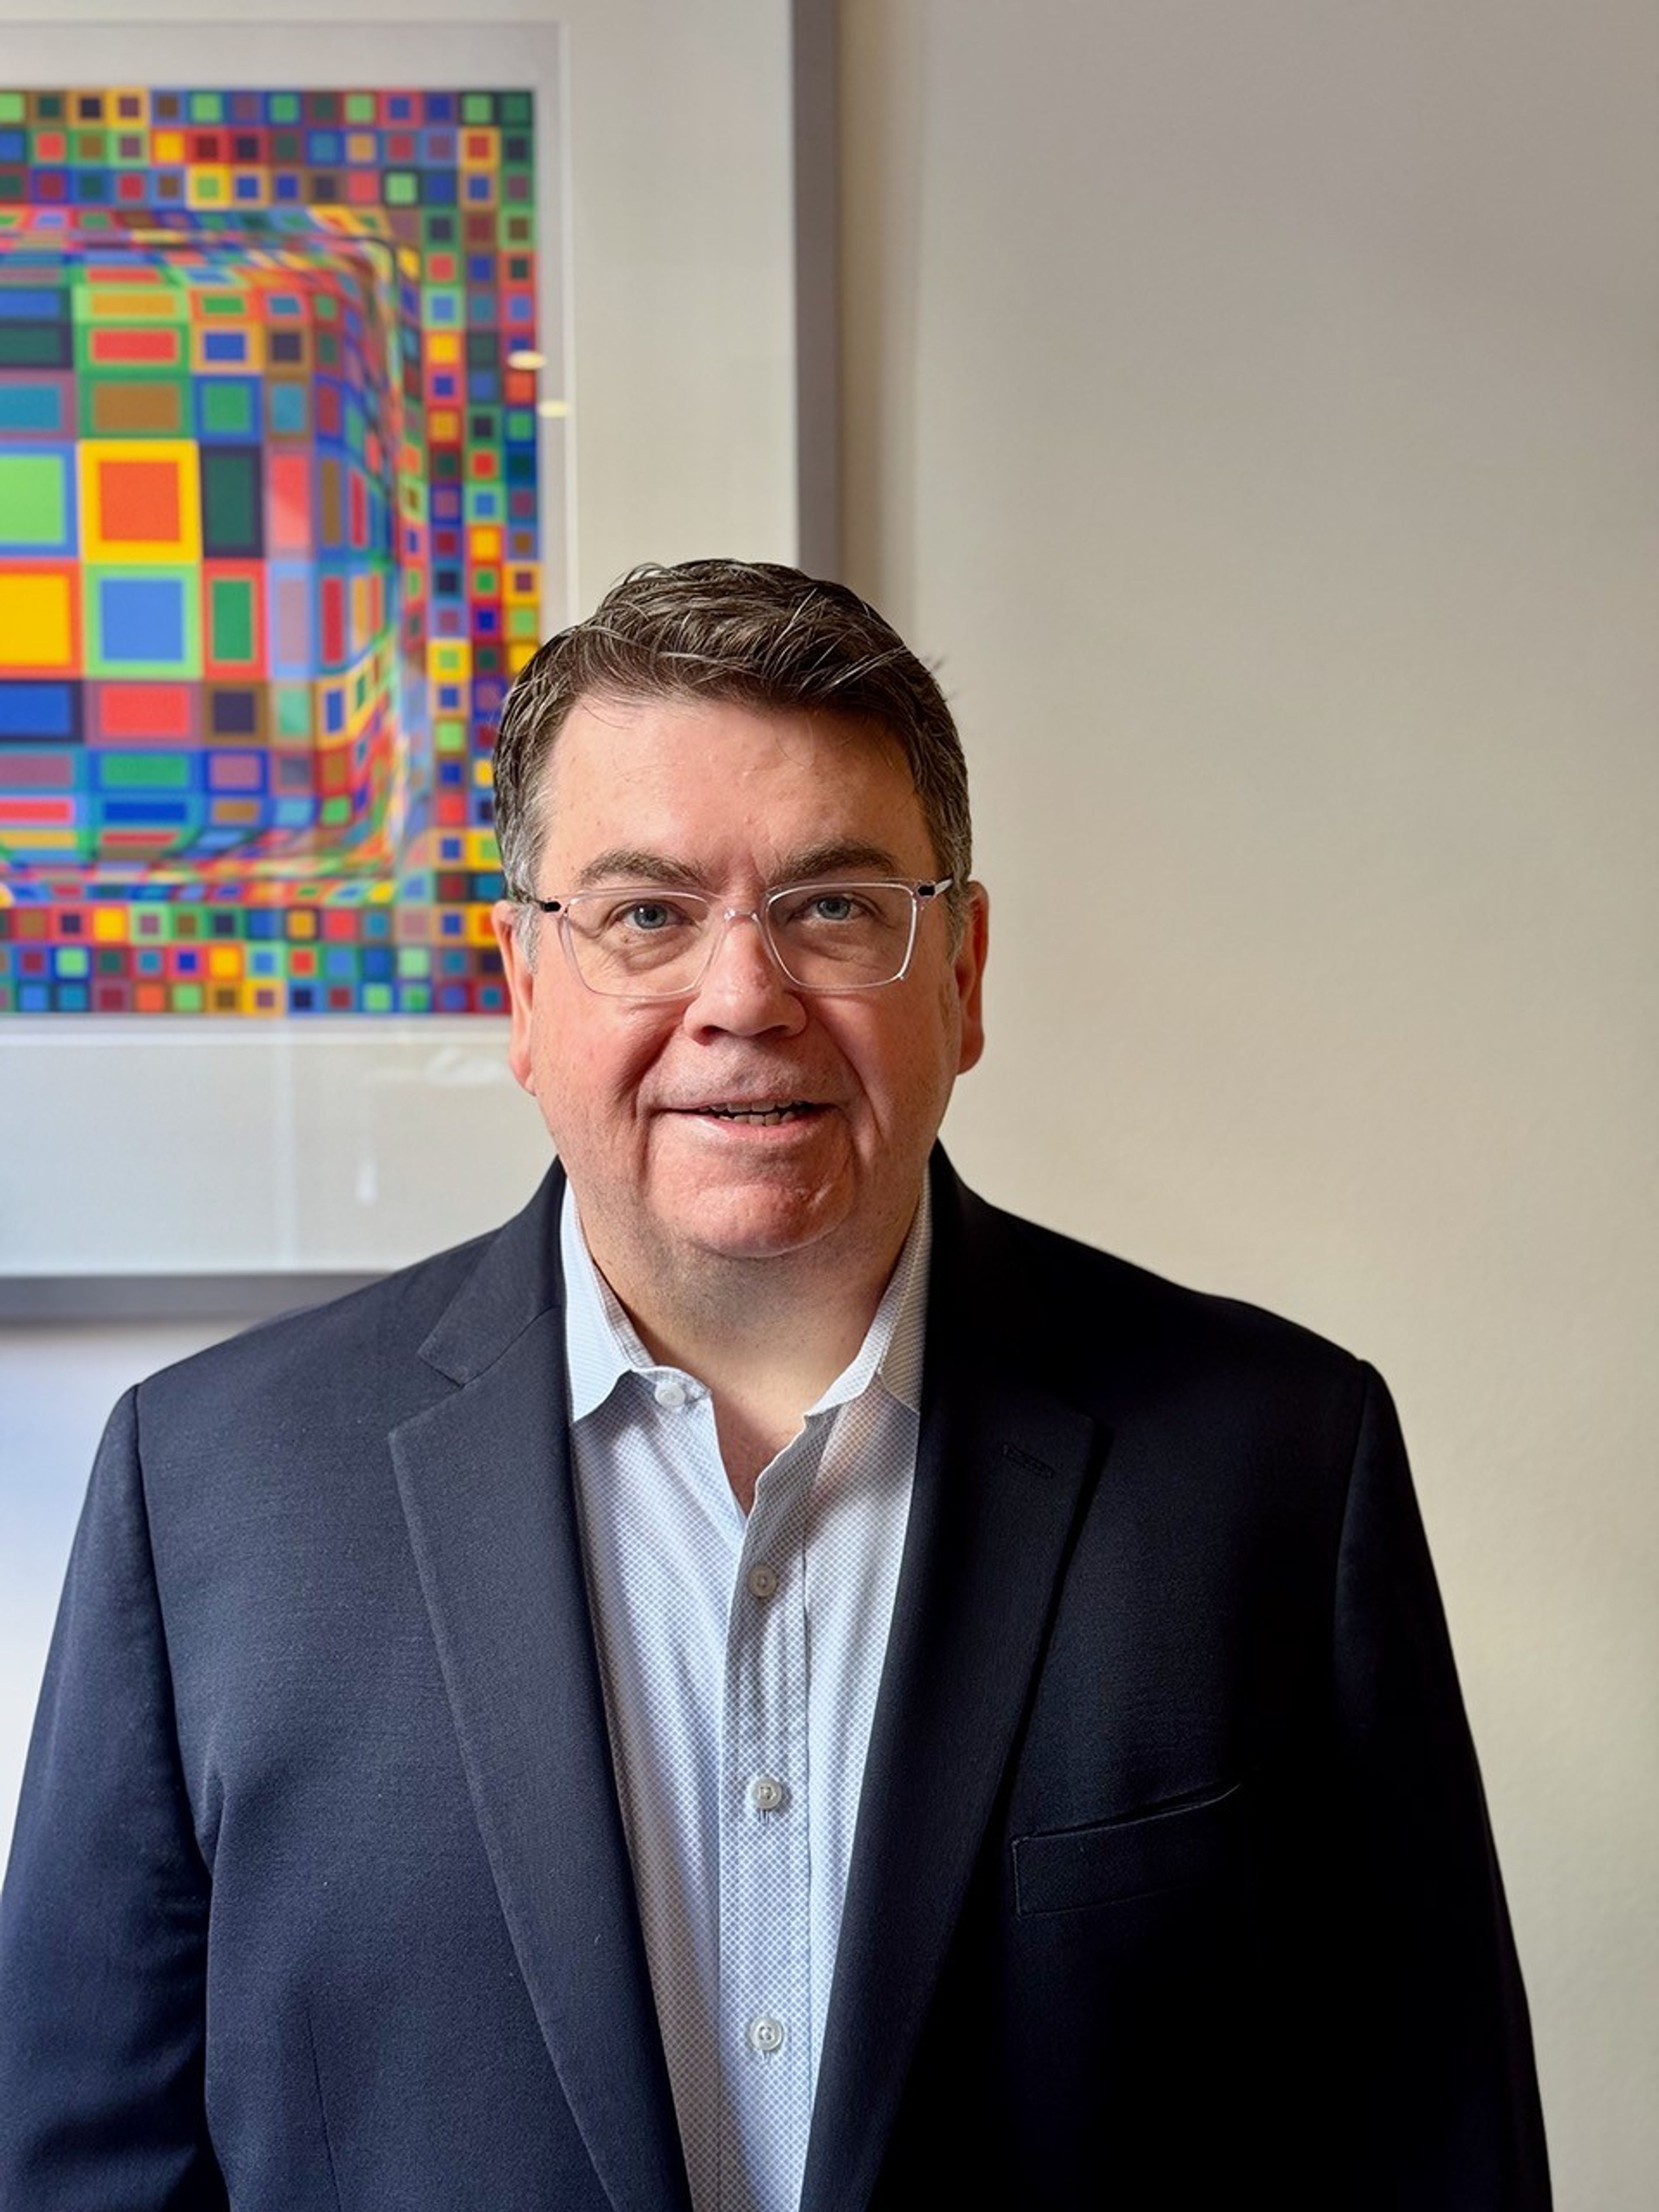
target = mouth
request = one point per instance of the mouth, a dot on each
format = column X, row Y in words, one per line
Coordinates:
column 760, row 1114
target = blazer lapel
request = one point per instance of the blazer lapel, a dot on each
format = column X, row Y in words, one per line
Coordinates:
column 1003, row 1471
column 485, row 1481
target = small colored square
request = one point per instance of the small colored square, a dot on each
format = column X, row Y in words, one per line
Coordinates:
column 36, row 502
column 37, row 619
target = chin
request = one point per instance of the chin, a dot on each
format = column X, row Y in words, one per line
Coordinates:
column 758, row 1224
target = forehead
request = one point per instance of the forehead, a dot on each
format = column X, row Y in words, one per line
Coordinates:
column 714, row 784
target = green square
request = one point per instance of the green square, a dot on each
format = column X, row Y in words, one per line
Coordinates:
column 230, row 618
column 227, row 408
column 122, row 771
column 284, row 144
column 11, row 185
column 325, row 307
column 377, row 998
column 486, row 583
column 187, row 998
column 109, row 961
column 206, row 108
column 521, row 426
column 400, row 188
column 477, row 107
column 32, row 501
column 230, row 499
column 293, row 711
column 449, row 736
column 221, row 303
column 417, row 999
column 413, row 960
column 208, row 186
column 360, row 107
column 72, row 960
column 516, row 107
column 522, row 624
column 284, row 106
column 49, row 106
column 334, row 811
column 12, row 109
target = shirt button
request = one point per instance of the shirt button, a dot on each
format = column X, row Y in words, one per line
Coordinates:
column 766, row 2034
column 671, row 1393
column 765, row 1792
column 763, row 1580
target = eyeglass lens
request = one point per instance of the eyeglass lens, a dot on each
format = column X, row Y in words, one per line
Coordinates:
column 649, row 941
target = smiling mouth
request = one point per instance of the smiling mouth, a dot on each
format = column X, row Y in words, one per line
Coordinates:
column 765, row 1117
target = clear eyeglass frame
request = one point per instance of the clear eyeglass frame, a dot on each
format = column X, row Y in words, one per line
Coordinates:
column 919, row 895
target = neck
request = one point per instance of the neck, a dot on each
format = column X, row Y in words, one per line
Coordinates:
column 766, row 1336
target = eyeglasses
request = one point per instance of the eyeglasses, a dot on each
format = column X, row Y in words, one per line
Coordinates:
column 657, row 941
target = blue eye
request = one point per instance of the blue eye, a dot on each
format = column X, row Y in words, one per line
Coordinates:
column 648, row 915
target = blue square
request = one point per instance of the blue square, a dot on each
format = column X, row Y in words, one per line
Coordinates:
column 288, row 409
column 142, row 618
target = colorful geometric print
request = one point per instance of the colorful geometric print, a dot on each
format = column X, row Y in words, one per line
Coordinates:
column 269, row 544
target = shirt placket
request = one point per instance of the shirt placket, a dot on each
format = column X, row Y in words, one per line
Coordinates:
column 765, row 2001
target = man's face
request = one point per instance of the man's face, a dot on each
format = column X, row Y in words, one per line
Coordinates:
column 736, row 802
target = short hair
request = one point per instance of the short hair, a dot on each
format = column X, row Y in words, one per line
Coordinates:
column 752, row 633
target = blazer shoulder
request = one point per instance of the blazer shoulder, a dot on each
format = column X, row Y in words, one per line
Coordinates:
column 1096, row 1311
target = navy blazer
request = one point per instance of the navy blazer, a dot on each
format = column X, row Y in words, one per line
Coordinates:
column 1172, row 1882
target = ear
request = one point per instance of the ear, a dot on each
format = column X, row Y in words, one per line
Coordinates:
column 504, row 920
column 969, row 969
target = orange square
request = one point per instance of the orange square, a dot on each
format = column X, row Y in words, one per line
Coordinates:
column 139, row 501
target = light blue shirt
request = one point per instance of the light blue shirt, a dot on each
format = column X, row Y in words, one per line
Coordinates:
column 741, row 1659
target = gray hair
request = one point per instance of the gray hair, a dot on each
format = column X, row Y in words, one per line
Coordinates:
column 752, row 634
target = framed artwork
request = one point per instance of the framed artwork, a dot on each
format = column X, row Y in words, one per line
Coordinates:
column 334, row 372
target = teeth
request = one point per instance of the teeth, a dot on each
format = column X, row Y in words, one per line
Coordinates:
column 766, row 1116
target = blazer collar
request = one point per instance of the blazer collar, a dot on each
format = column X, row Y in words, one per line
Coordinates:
column 1003, row 1469
column 485, row 1483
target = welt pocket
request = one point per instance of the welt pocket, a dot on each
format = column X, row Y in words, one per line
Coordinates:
column 1171, row 1847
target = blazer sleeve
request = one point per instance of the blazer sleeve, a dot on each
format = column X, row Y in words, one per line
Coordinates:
column 104, row 1915
column 1446, row 2079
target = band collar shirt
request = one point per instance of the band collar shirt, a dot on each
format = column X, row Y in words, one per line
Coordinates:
column 741, row 1658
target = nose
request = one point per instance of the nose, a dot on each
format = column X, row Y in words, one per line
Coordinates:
column 743, row 989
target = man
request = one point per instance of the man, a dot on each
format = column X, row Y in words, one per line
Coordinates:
column 765, row 1680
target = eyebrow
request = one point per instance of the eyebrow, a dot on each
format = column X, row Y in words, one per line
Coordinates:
column 628, row 864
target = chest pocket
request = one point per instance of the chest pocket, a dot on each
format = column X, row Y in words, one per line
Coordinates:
column 1172, row 1847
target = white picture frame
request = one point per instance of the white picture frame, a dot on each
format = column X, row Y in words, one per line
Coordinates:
column 152, row 1165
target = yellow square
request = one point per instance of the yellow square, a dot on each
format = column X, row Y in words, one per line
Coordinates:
column 167, row 147
column 109, row 925
column 442, row 347
column 444, row 427
column 224, row 961
column 486, row 542
column 207, row 184
column 36, row 621
column 263, row 995
column 141, row 499
column 449, row 660
column 483, row 774
column 518, row 656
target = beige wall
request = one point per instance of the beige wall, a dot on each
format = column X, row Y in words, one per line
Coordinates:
column 1256, row 411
